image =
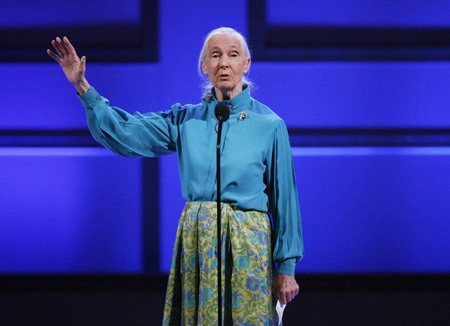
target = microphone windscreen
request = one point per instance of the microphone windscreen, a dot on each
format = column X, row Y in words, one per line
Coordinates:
column 222, row 111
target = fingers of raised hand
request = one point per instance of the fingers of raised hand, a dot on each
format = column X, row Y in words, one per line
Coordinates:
column 53, row 56
column 63, row 49
column 69, row 46
column 62, row 45
column 57, row 49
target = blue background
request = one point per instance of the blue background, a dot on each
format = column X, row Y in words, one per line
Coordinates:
column 364, row 209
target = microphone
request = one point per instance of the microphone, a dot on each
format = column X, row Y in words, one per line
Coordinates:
column 222, row 111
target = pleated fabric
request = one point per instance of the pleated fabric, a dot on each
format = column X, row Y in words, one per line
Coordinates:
column 191, row 297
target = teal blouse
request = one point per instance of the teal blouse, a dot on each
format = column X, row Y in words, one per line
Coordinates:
column 257, row 172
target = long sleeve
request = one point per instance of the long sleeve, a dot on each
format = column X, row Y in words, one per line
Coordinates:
column 283, row 203
column 258, row 173
column 131, row 135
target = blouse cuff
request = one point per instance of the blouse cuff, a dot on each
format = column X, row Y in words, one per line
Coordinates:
column 90, row 98
column 287, row 267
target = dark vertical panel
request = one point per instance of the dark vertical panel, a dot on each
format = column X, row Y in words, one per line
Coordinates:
column 257, row 24
column 150, row 215
column 149, row 27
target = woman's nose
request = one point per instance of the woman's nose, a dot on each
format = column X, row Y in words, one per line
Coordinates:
column 224, row 63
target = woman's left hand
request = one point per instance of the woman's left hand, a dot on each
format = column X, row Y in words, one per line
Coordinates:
column 285, row 288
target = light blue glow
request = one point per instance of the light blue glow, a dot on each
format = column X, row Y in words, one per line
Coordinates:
column 54, row 151
column 358, row 151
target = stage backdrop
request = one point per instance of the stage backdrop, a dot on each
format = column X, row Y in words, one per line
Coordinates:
column 367, row 111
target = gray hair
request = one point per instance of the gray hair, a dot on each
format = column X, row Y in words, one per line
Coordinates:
column 207, row 85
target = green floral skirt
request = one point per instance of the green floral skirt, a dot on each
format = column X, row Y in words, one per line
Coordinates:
column 191, row 297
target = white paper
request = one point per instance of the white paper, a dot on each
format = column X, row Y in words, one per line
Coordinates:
column 280, row 309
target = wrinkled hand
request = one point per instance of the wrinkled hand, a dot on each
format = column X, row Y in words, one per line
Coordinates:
column 285, row 288
column 71, row 64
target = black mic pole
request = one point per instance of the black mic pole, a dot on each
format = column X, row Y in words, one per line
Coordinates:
column 222, row 112
column 219, row 232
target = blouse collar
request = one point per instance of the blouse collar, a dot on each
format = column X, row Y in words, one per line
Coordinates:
column 237, row 102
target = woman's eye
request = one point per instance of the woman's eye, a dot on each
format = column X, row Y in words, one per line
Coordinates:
column 215, row 55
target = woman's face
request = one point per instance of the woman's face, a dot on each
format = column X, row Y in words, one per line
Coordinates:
column 225, row 63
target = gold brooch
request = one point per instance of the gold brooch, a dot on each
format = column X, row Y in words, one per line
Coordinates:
column 242, row 116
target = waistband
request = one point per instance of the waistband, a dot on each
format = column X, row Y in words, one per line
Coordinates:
column 213, row 204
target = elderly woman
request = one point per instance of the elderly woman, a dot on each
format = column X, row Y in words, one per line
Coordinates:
column 257, row 179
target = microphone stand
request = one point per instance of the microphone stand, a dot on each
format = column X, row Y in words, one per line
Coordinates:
column 219, row 226
column 222, row 112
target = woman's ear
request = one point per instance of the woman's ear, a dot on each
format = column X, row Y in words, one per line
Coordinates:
column 247, row 65
column 205, row 71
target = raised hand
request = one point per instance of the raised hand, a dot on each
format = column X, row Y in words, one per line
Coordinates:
column 72, row 65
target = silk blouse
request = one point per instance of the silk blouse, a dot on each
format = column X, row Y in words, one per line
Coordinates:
column 257, row 171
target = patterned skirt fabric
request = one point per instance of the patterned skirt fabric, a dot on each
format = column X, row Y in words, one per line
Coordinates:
column 191, row 297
